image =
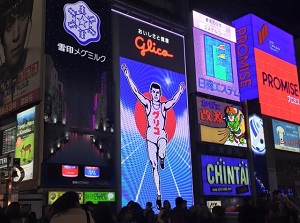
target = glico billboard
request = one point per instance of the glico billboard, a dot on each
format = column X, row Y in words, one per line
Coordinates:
column 155, row 138
column 225, row 176
column 215, row 58
column 267, row 68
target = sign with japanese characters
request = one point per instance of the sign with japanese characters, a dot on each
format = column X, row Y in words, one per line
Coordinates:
column 20, row 58
column 97, row 197
column 77, row 87
column 25, row 141
column 215, row 65
column 154, row 134
column 151, row 45
column 221, row 122
column 213, row 26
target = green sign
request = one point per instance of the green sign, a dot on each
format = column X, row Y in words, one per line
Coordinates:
column 97, row 197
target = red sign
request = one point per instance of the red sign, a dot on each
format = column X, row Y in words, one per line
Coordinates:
column 69, row 171
column 278, row 87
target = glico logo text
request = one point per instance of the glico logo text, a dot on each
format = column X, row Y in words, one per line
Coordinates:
column 149, row 46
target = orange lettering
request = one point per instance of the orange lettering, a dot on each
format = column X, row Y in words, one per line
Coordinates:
column 150, row 47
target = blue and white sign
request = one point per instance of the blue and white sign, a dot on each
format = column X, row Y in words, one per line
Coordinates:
column 286, row 136
column 257, row 135
column 82, row 23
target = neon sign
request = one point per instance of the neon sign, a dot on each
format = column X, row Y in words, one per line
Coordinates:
column 225, row 176
column 150, row 47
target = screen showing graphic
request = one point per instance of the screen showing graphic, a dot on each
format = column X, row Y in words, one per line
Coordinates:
column 20, row 57
column 9, row 140
column 253, row 32
column 221, row 123
column 78, row 115
column 215, row 65
column 97, row 197
column 155, row 141
column 268, row 38
column 69, row 171
column 218, row 59
column 25, row 141
column 257, row 136
column 286, row 136
column 54, row 195
column 278, row 87
column 91, row 171
column 77, row 175
column 225, row 176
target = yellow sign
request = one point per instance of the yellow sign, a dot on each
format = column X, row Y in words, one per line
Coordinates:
column 54, row 195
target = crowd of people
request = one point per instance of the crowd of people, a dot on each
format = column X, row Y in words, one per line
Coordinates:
column 67, row 209
column 280, row 209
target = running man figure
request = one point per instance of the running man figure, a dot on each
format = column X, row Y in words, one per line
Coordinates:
column 156, row 136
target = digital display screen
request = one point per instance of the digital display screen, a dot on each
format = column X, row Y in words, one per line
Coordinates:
column 20, row 57
column 91, row 171
column 77, row 175
column 25, row 141
column 225, row 176
column 278, row 87
column 257, row 136
column 268, row 38
column 54, row 195
column 215, row 65
column 213, row 26
column 9, row 140
column 155, row 138
column 69, row 171
column 286, row 136
column 156, row 133
column 78, row 90
column 97, row 197
column 221, row 123
column 253, row 32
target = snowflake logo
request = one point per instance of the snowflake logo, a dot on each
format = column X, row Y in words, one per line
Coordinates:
column 82, row 23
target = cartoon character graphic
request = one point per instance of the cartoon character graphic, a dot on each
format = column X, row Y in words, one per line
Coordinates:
column 235, row 122
column 280, row 132
column 156, row 117
column 232, row 133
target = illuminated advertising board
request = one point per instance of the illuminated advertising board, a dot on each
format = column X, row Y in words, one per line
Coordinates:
column 25, row 141
column 215, row 65
column 212, row 204
column 278, row 87
column 213, row 26
column 266, row 37
column 63, row 174
column 221, row 123
column 20, row 57
column 54, row 195
column 97, row 197
column 155, row 138
column 78, row 72
column 252, row 32
column 257, row 136
column 258, row 147
column 225, row 176
column 286, row 136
